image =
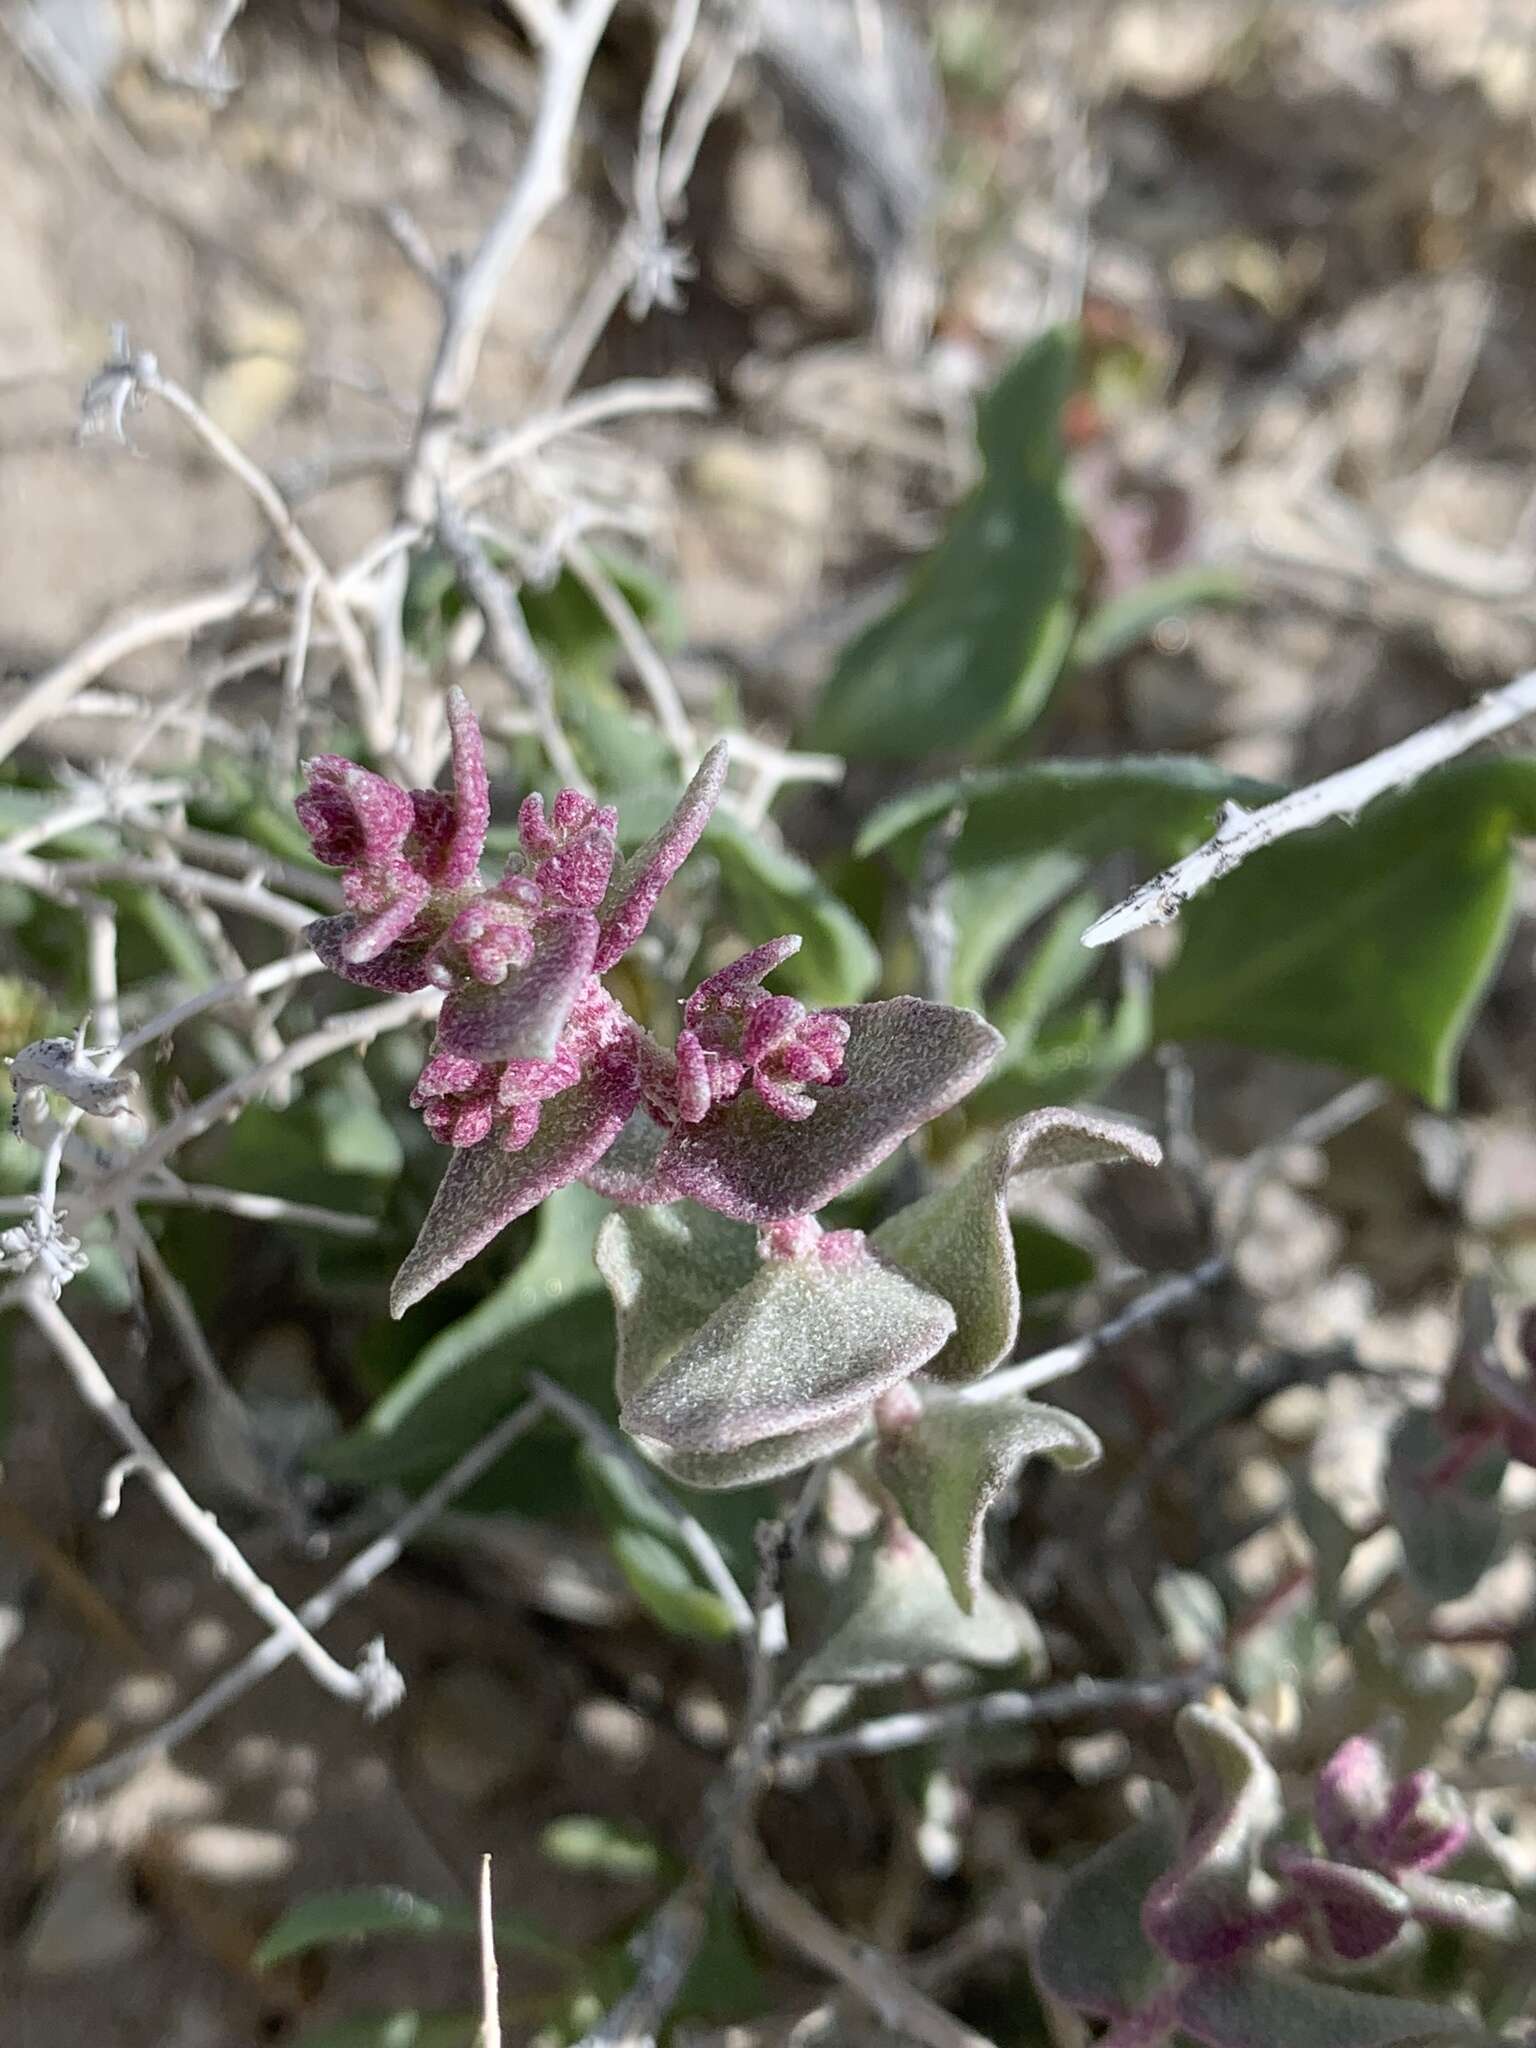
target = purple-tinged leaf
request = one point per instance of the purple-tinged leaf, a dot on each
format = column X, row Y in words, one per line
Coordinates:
column 352, row 817
column 459, row 862
column 896, row 1615
column 907, row 1061
column 1474, row 1909
column 1351, row 1796
column 399, row 970
column 957, row 1240
column 947, row 1468
column 1218, row 1900
column 522, row 1017
column 636, row 888
column 1245, row 2007
column 722, row 1356
column 484, row 1188
column 627, row 1170
column 1094, row 1954
column 388, row 901
column 1443, row 1504
column 1351, row 1914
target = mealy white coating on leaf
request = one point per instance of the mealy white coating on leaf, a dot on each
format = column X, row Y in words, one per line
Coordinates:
column 957, row 1239
column 1094, row 1953
column 668, row 1270
column 907, row 1061
column 806, row 1341
column 522, row 1017
column 1251, row 2007
column 897, row 1615
column 1219, row 1882
column 947, row 1469
column 772, row 1457
column 484, row 1188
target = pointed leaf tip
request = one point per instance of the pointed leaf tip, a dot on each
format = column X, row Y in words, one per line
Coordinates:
column 958, row 1241
column 906, row 1062
column 484, row 1188
column 949, row 1468
column 636, row 888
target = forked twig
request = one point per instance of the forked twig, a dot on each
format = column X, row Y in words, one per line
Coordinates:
column 1241, row 833
column 354, row 1578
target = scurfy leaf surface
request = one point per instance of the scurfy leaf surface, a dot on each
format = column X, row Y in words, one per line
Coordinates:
column 484, row 1188
column 807, row 1341
column 957, row 1240
column 948, row 1468
column 907, row 1061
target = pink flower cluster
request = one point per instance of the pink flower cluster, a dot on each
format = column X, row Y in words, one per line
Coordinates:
column 527, row 1017
column 538, row 1076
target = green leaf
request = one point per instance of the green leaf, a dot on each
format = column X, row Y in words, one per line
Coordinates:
column 896, row 1614
column 769, row 891
column 1447, row 1519
column 1030, row 835
column 329, row 1918
column 1368, row 945
column 645, row 1545
column 1094, row 1954
column 598, row 1847
column 742, row 1350
column 1079, row 1052
column 950, row 1466
column 355, row 1135
column 664, row 1584
column 957, row 1240
column 403, row 2029
column 971, row 650
column 1249, row 2007
column 557, row 1270
column 1125, row 621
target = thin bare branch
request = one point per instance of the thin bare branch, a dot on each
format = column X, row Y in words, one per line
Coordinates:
column 695, row 1538
column 655, row 677
column 143, row 374
column 511, row 644
column 1110, row 1701
column 369, row 1564
column 872, row 1977
column 540, row 185
column 1344, row 795
column 50, row 694
column 490, row 1984
column 337, row 1034
column 367, row 1688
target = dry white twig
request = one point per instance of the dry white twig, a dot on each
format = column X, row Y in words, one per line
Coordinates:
column 872, row 1977
column 130, row 377
column 1344, row 795
column 336, row 1034
column 490, row 1986
column 539, row 187
column 695, row 1538
column 374, row 1688
column 354, row 1578
column 51, row 693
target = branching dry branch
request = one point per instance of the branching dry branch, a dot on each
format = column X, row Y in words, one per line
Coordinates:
column 375, row 1686
column 369, row 1564
column 1241, row 833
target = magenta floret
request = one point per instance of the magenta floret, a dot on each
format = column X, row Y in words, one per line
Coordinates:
column 537, row 1066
